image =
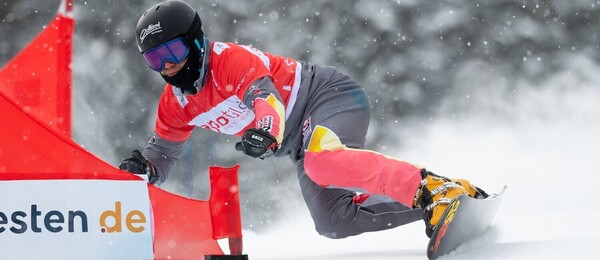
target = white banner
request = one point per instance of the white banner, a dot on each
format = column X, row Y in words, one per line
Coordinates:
column 75, row 219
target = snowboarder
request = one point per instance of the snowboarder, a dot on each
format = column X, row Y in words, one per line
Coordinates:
column 280, row 106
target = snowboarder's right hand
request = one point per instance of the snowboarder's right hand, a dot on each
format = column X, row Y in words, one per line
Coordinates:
column 138, row 165
column 257, row 143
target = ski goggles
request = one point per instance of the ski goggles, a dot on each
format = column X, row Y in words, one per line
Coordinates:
column 175, row 51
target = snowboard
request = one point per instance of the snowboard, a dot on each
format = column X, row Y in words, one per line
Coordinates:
column 464, row 219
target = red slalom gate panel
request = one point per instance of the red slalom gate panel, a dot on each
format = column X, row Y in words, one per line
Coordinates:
column 39, row 77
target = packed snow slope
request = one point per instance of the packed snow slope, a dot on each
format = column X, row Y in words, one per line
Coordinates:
column 542, row 139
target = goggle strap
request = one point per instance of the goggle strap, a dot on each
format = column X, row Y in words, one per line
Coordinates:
column 194, row 30
column 198, row 43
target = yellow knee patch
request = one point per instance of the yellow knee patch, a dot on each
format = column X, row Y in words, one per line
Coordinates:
column 324, row 139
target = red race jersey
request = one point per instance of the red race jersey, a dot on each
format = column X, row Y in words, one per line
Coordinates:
column 218, row 106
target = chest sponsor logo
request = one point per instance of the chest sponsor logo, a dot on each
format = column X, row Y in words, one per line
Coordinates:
column 228, row 117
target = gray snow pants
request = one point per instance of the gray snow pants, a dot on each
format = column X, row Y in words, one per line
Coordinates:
column 331, row 99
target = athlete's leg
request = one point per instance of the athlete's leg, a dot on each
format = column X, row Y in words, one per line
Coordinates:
column 340, row 104
column 339, row 213
column 338, row 118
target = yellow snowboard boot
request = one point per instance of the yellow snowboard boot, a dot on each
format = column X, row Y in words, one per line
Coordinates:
column 472, row 190
column 433, row 196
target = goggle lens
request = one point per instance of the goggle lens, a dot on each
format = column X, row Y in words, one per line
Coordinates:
column 175, row 51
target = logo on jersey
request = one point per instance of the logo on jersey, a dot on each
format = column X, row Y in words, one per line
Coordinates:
column 152, row 29
column 227, row 117
column 219, row 47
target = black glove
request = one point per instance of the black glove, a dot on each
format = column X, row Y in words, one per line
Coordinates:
column 138, row 165
column 257, row 143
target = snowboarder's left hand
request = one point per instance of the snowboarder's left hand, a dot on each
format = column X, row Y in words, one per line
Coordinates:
column 138, row 165
column 257, row 143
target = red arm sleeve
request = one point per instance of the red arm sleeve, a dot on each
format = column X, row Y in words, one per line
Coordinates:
column 268, row 107
column 247, row 75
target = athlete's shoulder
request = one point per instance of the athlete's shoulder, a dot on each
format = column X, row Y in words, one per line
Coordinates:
column 224, row 48
column 225, row 54
column 238, row 54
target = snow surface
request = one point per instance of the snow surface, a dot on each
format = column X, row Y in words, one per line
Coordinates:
column 543, row 141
